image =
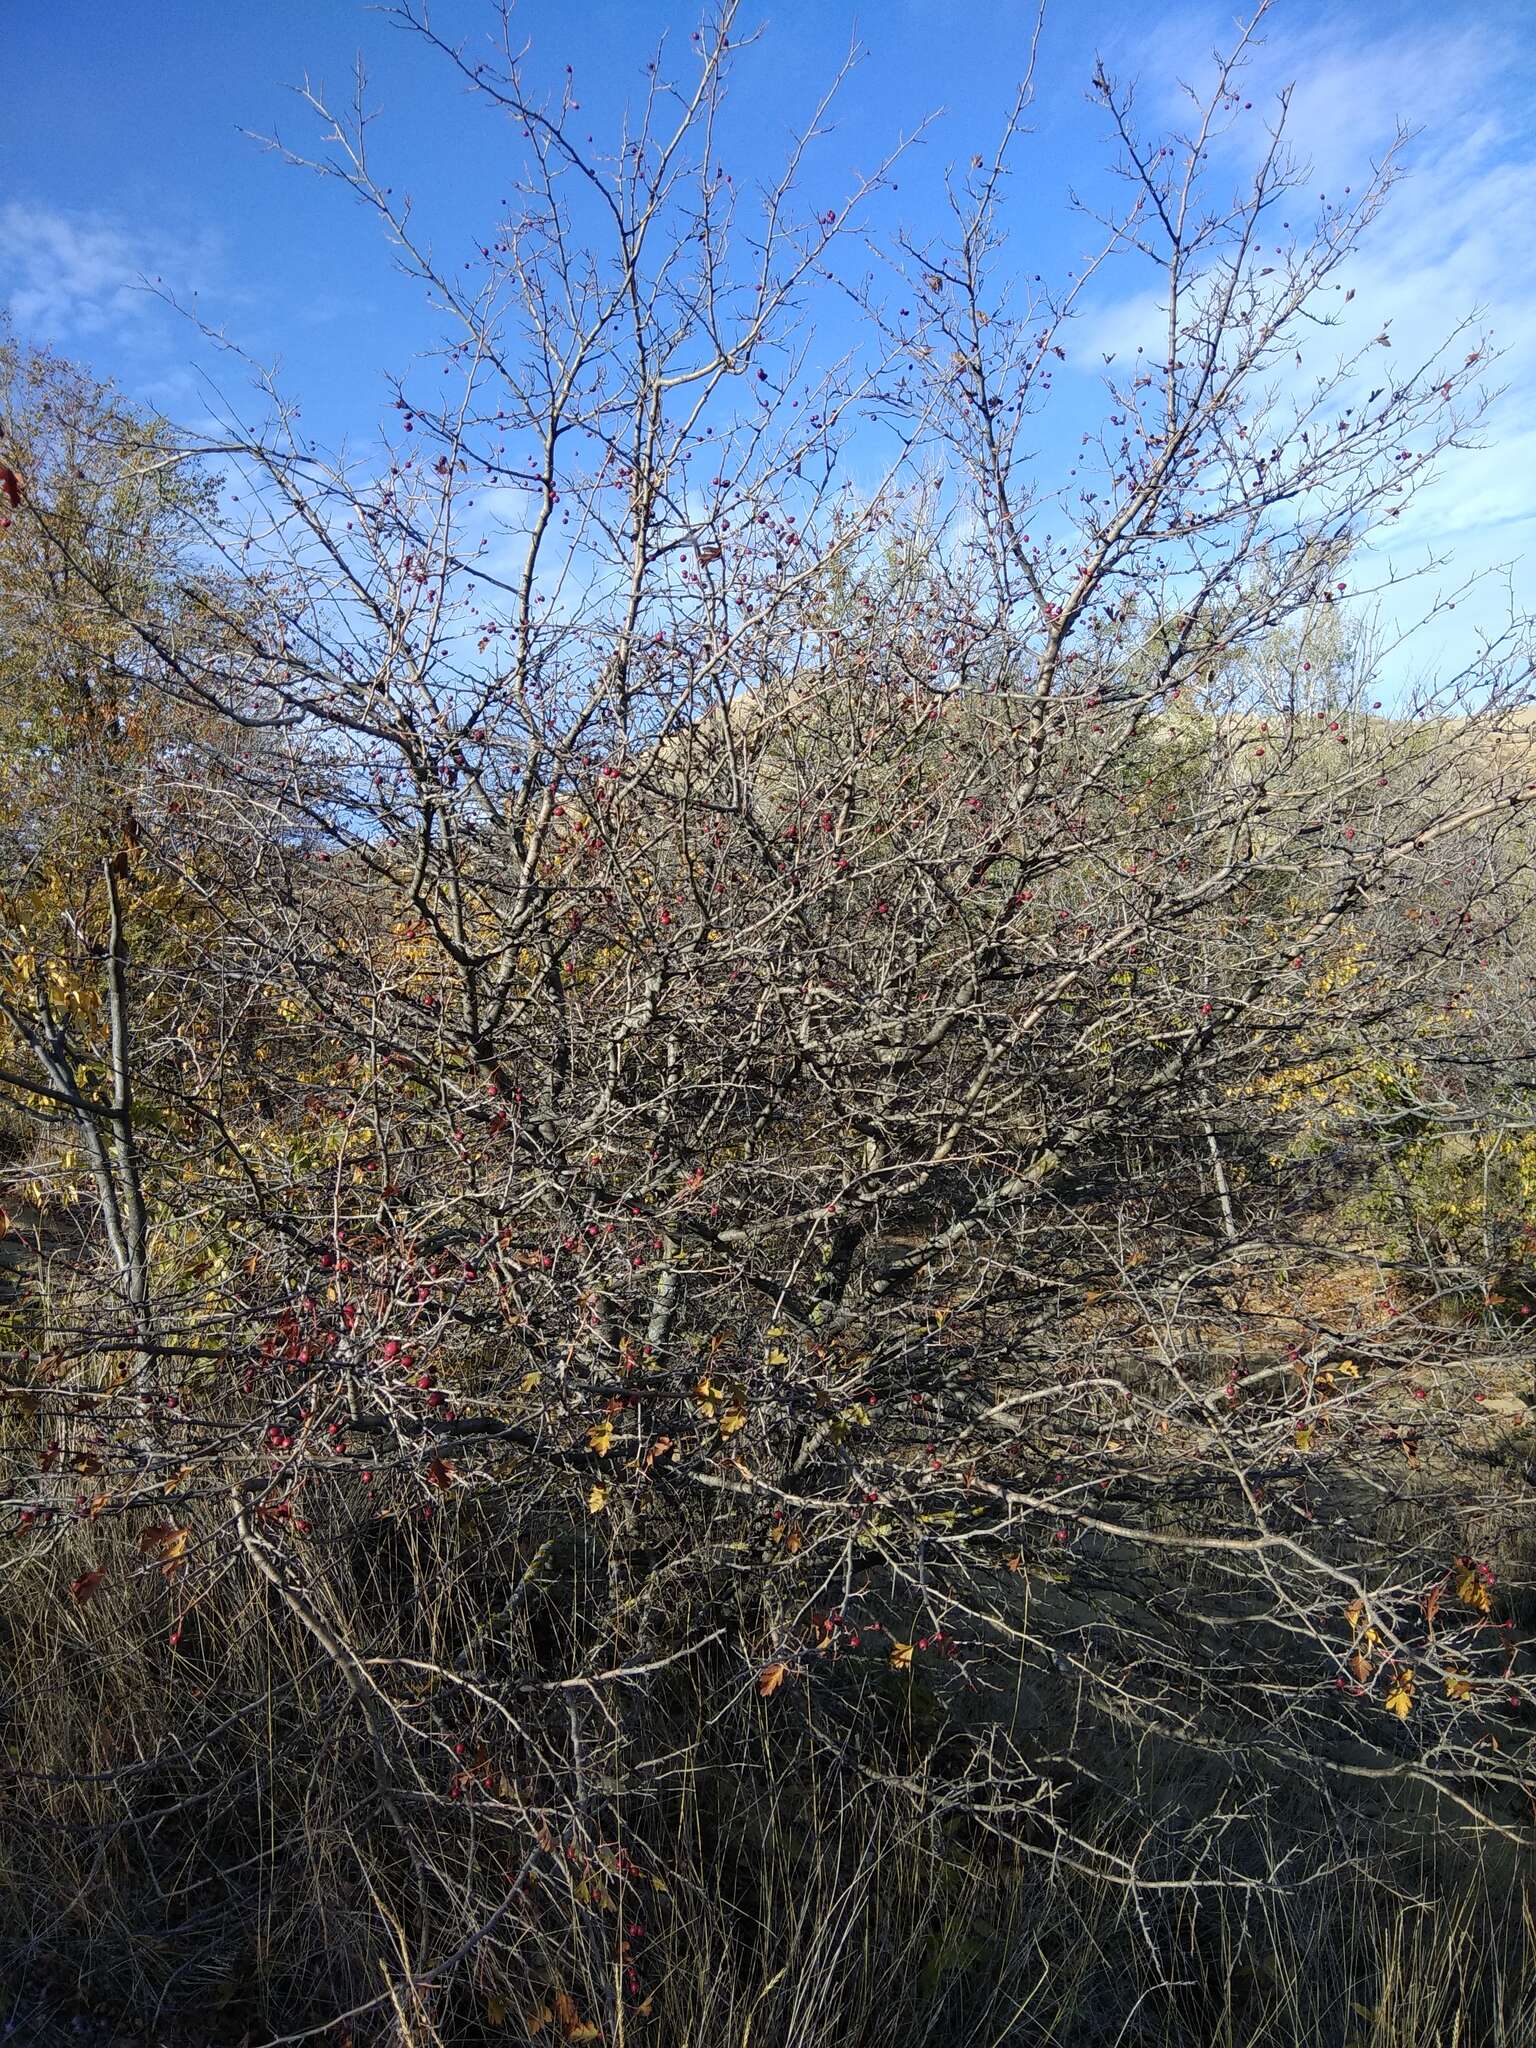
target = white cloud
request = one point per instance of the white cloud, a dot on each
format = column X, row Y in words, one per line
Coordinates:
column 1454, row 239
column 73, row 275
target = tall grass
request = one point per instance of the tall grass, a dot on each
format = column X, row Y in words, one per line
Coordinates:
column 207, row 1837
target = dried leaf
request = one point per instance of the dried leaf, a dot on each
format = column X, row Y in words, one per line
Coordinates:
column 87, row 1585
column 440, row 1472
column 1457, row 1687
column 572, row 2026
column 168, row 1543
column 770, row 1678
column 1354, row 1614
column 1361, row 1668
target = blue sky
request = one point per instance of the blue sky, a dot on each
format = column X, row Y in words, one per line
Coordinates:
column 122, row 156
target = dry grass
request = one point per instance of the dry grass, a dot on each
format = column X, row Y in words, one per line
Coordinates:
column 204, row 1839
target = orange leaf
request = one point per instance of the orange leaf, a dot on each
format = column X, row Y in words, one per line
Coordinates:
column 569, row 2020
column 770, row 1678
column 165, row 1541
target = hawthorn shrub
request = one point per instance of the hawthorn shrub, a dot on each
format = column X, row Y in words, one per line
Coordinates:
column 698, row 1344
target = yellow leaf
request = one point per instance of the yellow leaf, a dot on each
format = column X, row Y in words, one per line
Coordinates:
column 1399, row 1698
column 901, row 1655
column 1471, row 1591
column 600, row 1438
column 528, row 1382
column 597, row 1500
column 1457, row 1687
column 734, row 1420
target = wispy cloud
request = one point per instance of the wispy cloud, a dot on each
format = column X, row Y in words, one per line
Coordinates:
column 72, row 276
column 1453, row 243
